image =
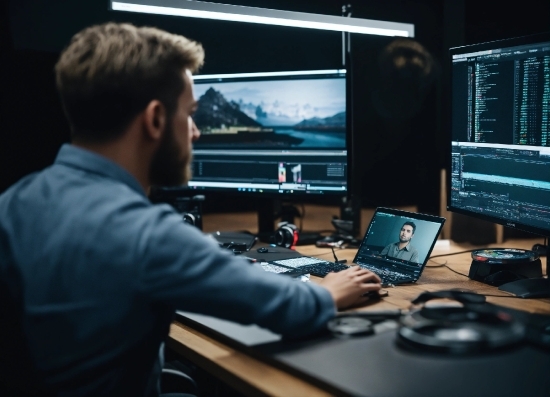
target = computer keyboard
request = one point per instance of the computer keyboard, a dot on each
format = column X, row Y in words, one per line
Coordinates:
column 322, row 269
column 314, row 266
column 299, row 261
column 270, row 267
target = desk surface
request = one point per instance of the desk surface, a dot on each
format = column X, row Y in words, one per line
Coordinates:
column 251, row 376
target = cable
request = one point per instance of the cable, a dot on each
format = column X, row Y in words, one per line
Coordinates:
column 454, row 253
column 454, row 271
column 336, row 258
column 445, row 265
column 334, row 254
column 436, row 264
column 302, row 216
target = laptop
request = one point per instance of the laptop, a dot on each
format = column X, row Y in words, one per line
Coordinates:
column 396, row 256
column 398, row 244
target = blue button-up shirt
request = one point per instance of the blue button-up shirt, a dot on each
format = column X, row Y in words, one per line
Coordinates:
column 101, row 270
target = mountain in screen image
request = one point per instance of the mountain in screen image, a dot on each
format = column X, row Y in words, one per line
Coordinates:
column 216, row 112
column 331, row 123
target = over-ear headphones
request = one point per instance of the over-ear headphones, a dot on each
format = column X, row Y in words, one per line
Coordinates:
column 472, row 327
column 286, row 235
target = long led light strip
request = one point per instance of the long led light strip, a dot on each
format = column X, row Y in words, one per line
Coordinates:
column 269, row 74
column 226, row 12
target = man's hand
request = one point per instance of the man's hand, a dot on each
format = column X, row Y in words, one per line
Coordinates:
column 347, row 287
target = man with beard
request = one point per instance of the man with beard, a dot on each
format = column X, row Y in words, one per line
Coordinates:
column 403, row 249
column 94, row 269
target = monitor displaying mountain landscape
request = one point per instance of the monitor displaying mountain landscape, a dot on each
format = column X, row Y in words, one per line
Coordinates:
column 273, row 111
column 272, row 134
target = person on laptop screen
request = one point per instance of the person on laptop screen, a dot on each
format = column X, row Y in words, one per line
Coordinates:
column 403, row 249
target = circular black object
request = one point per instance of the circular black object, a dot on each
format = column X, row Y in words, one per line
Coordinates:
column 504, row 255
column 350, row 326
column 503, row 265
column 460, row 330
column 189, row 218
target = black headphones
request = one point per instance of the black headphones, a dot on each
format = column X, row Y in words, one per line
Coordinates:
column 472, row 327
column 286, row 235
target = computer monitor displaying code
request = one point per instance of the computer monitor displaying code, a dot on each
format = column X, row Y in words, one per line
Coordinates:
column 273, row 134
column 500, row 129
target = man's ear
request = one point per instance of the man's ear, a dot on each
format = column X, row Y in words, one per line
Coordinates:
column 154, row 120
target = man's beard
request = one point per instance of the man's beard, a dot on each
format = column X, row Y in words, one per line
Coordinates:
column 169, row 167
column 404, row 239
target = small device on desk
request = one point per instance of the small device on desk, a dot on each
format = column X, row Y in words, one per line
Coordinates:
column 498, row 266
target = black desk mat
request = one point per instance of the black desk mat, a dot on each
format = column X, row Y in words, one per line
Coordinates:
column 376, row 366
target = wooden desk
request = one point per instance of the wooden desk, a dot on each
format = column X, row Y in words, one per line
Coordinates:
column 254, row 377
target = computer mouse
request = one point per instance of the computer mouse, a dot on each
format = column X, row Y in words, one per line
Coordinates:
column 262, row 250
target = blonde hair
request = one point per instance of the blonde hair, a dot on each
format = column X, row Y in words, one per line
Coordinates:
column 109, row 73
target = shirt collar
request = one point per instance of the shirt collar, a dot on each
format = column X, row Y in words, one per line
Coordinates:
column 77, row 157
column 405, row 247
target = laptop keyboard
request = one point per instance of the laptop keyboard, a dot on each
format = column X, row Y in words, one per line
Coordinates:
column 387, row 276
column 313, row 266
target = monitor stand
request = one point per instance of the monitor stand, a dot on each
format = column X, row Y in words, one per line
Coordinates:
column 530, row 287
column 348, row 226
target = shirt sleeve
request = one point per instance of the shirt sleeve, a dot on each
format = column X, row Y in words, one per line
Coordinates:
column 182, row 267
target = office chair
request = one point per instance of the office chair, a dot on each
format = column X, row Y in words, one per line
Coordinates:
column 18, row 375
column 174, row 383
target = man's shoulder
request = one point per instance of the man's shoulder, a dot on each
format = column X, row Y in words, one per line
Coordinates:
column 84, row 197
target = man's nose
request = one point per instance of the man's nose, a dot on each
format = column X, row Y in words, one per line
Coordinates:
column 195, row 132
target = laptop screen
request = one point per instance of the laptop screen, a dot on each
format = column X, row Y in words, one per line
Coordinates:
column 399, row 240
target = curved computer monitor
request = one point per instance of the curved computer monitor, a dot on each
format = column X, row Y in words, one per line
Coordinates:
column 272, row 134
column 500, row 133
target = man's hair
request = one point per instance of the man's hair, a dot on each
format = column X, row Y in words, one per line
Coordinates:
column 411, row 224
column 109, row 73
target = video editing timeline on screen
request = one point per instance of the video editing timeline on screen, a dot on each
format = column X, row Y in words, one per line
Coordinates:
column 501, row 122
column 271, row 171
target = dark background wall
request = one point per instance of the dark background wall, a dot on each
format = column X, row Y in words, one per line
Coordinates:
column 33, row 32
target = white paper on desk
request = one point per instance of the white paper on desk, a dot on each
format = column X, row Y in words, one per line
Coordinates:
column 249, row 335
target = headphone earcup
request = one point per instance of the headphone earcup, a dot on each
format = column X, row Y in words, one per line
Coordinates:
column 286, row 235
